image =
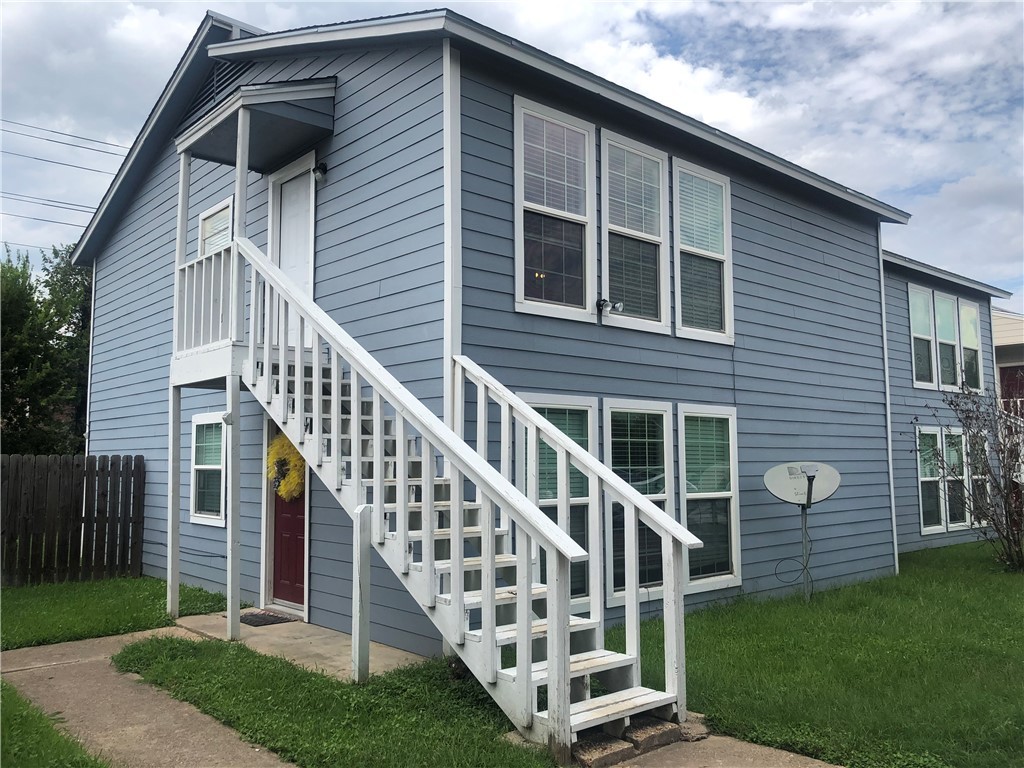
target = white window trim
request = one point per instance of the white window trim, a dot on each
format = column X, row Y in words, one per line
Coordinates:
column 213, row 210
column 932, row 339
column 193, row 517
column 728, row 335
column 944, row 526
column 613, row 598
column 734, row 579
column 664, row 325
column 588, row 312
column 936, row 383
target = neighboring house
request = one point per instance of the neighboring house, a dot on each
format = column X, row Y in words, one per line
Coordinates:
column 379, row 237
column 939, row 340
column 1008, row 337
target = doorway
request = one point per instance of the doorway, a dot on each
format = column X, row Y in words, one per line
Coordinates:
column 290, row 228
column 285, row 560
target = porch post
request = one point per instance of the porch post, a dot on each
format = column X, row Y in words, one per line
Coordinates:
column 173, row 495
column 180, row 245
column 361, row 594
column 234, row 477
column 241, row 172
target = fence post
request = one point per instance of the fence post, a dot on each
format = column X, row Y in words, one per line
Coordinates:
column 9, row 492
column 38, row 521
column 89, row 487
column 124, row 508
column 77, row 518
column 65, row 516
column 137, row 514
column 102, row 500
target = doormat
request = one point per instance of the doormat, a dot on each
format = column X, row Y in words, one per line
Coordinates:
column 264, row 619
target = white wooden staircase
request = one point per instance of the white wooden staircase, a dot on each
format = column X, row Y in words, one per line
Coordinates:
column 460, row 523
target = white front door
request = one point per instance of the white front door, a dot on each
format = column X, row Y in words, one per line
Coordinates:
column 291, row 228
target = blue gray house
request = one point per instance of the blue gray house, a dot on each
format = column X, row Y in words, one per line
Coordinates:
column 535, row 338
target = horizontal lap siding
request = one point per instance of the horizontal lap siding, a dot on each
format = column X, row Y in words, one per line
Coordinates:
column 912, row 406
column 805, row 374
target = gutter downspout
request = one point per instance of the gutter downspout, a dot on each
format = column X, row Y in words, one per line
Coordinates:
column 888, row 404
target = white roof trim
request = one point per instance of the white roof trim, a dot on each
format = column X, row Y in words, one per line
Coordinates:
column 451, row 24
column 249, row 95
column 927, row 269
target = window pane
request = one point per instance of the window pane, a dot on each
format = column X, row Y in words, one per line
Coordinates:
column 554, row 165
column 954, row 455
column 923, row 361
column 930, row 513
column 216, row 232
column 577, row 532
column 972, row 370
column 947, row 365
column 956, row 499
column 638, row 450
column 208, row 445
column 970, row 331
column 207, row 492
column 921, row 313
column 649, row 563
column 701, row 292
column 634, row 191
column 701, row 213
column 945, row 319
column 633, row 276
column 707, row 454
column 709, row 520
column 928, row 454
column 574, row 423
column 553, row 263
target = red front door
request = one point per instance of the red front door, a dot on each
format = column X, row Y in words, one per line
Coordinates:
column 289, row 549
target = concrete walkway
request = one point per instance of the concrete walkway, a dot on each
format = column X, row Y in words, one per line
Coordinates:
column 134, row 725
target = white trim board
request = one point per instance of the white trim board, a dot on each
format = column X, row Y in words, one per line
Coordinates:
column 452, row 322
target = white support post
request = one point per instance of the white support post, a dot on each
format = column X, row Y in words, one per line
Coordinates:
column 675, row 645
column 234, row 477
column 173, row 496
column 559, row 729
column 180, row 244
column 241, row 172
column 361, row 594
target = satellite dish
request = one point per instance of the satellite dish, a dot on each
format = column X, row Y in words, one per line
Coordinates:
column 788, row 482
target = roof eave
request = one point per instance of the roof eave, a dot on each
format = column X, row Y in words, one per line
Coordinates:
column 890, row 257
column 448, row 24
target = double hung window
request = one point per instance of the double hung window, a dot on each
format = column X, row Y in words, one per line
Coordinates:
column 555, row 241
column 946, row 340
column 635, row 225
column 208, row 450
column 944, row 479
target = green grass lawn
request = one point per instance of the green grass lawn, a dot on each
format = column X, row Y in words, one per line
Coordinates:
column 416, row 716
column 55, row 613
column 925, row 669
column 30, row 739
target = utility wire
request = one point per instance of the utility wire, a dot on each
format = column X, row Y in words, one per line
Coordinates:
column 27, row 199
column 65, row 143
column 26, row 245
column 36, row 218
column 61, row 133
column 56, row 162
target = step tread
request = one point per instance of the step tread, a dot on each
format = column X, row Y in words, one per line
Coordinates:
column 586, row 663
column 502, row 596
column 613, row 706
column 473, row 531
column 475, row 563
column 506, row 634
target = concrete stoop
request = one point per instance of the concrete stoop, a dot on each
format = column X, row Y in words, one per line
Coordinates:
column 596, row 749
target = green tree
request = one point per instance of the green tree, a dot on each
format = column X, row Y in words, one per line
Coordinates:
column 44, row 353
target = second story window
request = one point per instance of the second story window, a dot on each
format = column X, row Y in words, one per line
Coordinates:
column 704, row 282
column 555, row 238
column 945, row 334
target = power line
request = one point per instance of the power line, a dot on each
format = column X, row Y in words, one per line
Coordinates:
column 26, row 245
column 36, row 218
column 65, row 143
column 61, row 133
column 56, row 162
column 46, row 202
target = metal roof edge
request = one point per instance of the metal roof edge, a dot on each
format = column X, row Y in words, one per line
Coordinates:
column 927, row 269
column 87, row 243
column 453, row 24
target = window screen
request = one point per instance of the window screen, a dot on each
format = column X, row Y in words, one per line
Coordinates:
column 633, row 276
column 701, row 299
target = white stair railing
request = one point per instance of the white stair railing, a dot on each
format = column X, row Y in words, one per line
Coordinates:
column 352, row 452
column 517, row 418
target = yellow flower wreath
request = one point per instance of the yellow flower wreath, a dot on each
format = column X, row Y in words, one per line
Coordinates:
column 286, row 469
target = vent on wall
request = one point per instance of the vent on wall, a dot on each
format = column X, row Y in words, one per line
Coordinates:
column 221, row 81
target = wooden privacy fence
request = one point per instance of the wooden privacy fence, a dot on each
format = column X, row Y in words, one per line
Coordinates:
column 70, row 518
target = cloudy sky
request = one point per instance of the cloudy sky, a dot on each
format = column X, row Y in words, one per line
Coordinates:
column 917, row 104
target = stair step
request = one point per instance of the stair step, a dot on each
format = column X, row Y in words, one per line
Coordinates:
column 469, row 563
column 599, row 710
column 469, row 532
column 580, row 664
column 506, row 634
column 502, row 596
column 440, row 505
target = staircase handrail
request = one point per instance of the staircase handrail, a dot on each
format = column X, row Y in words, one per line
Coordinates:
column 652, row 515
column 524, row 512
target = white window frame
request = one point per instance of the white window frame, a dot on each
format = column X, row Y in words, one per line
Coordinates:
column 728, row 334
column 664, row 324
column 734, row 579
column 613, row 598
column 588, row 312
column 228, row 204
column 194, row 517
column 944, row 526
column 936, row 383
